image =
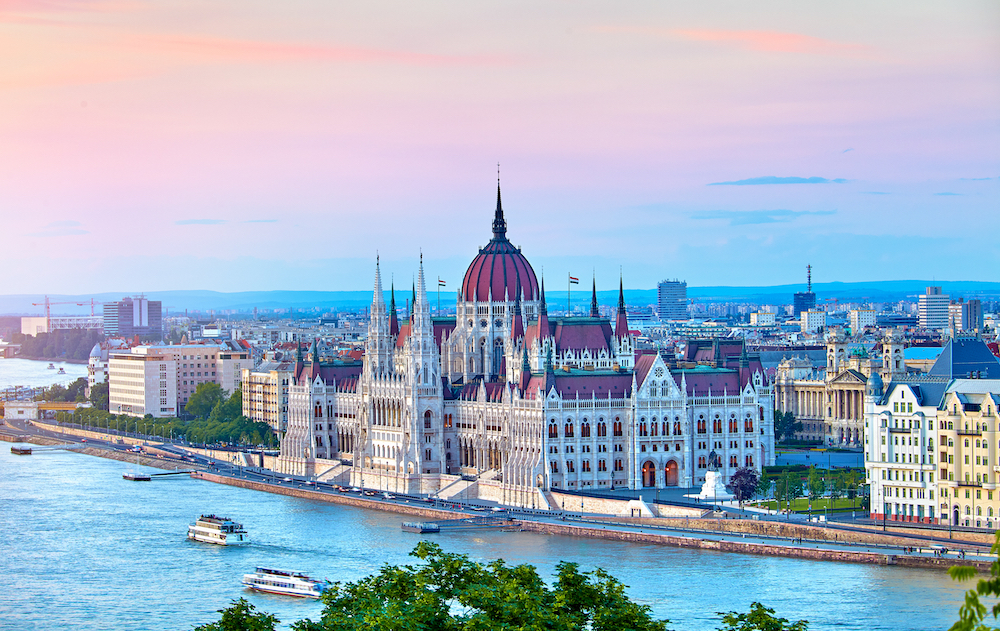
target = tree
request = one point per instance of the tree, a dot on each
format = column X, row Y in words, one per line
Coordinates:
column 760, row 618
column 206, row 396
column 763, row 484
column 787, row 487
column 815, row 484
column 99, row 396
column 973, row 611
column 838, row 486
column 450, row 592
column 743, row 483
column 241, row 616
column 785, row 425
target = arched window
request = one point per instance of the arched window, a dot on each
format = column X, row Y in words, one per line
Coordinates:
column 553, row 431
column 642, row 428
column 585, row 429
column 748, row 425
column 701, row 426
column 568, row 433
column 677, row 428
column 749, row 461
column 427, row 419
column 602, row 429
column 319, row 410
column 617, row 428
column 652, row 427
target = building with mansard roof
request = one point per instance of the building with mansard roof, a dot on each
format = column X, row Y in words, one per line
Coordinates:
column 506, row 402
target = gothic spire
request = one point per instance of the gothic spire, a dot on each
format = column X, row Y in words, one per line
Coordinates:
column 393, row 319
column 621, row 323
column 315, row 352
column 594, row 313
column 499, row 223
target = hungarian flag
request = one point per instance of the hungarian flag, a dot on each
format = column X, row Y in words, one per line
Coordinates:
column 574, row 281
column 441, row 283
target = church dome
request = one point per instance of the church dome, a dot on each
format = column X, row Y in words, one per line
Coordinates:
column 499, row 270
column 874, row 385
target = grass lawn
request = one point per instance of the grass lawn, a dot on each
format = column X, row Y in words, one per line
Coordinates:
column 801, row 505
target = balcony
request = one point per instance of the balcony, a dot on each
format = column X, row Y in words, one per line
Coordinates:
column 968, row 483
column 969, row 432
column 899, row 430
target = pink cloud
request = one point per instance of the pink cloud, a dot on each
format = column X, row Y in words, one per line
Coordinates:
column 234, row 50
column 767, row 41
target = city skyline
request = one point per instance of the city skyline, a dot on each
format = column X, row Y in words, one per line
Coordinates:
column 244, row 147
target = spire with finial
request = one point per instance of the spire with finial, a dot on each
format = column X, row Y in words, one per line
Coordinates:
column 315, row 351
column 393, row 319
column 621, row 323
column 594, row 312
column 499, row 223
column 517, row 331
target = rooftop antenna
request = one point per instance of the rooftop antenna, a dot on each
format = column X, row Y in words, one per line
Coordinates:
column 809, row 278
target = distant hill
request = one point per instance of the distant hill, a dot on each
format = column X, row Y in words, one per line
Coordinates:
column 176, row 302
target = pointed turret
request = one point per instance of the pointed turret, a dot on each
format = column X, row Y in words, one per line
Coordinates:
column 378, row 352
column 525, row 369
column 499, row 223
column 621, row 323
column 543, row 315
column 517, row 332
column 393, row 320
column 594, row 312
column 413, row 301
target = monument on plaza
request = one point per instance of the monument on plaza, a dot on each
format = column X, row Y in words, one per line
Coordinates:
column 713, row 490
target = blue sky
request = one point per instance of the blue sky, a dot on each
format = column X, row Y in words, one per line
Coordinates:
column 251, row 146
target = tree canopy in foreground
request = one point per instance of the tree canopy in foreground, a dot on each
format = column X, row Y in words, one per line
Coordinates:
column 449, row 592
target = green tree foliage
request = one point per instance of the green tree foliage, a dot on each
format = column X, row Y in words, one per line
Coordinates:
column 241, row 616
column 760, row 618
column 815, row 484
column 743, row 483
column 973, row 611
column 61, row 344
column 206, row 396
column 99, row 396
column 785, row 425
column 838, row 486
column 74, row 392
column 787, row 487
column 763, row 484
column 450, row 592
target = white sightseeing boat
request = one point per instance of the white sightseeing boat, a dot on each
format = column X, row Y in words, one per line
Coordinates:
column 218, row 530
column 283, row 582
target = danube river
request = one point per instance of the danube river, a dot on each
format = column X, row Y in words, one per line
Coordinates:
column 84, row 549
column 35, row 373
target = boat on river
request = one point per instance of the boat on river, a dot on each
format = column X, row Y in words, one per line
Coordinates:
column 62, row 371
column 21, row 451
column 218, row 530
column 51, row 367
column 283, row 582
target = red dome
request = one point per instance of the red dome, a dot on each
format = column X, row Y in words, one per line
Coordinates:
column 500, row 269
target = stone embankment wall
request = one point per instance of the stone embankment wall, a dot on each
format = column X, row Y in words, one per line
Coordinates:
column 351, row 499
column 978, row 537
column 849, row 556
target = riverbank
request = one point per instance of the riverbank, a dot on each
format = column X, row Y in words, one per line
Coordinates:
column 639, row 533
column 774, row 538
column 53, row 360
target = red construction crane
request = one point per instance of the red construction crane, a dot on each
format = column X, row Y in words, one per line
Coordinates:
column 48, row 313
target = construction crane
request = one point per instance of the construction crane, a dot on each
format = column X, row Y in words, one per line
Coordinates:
column 48, row 312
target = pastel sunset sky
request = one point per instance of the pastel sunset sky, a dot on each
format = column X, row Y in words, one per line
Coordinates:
column 248, row 145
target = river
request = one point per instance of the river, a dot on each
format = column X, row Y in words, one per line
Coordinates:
column 84, row 549
column 35, row 373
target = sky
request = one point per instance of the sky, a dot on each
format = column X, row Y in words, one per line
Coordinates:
column 241, row 145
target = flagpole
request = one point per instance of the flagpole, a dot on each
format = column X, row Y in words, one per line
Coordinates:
column 439, row 295
column 569, row 283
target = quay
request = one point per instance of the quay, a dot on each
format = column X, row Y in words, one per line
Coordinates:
column 770, row 538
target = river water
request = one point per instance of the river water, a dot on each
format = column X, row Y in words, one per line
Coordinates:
column 84, row 549
column 35, row 373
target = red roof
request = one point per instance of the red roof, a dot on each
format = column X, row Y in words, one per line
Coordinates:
column 501, row 270
column 582, row 385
